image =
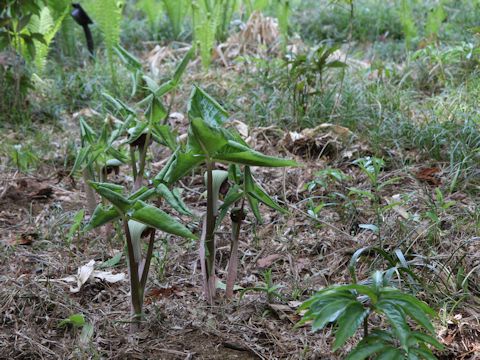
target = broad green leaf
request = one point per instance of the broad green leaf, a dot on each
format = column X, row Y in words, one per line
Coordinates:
column 156, row 218
column 119, row 105
column 394, row 294
column 143, row 194
column 203, row 106
column 391, row 353
column 80, row 159
column 87, row 134
column 108, row 192
column 363, row 351
column 204, row 139
column 424, row 354
column 165, row 88
column 253, row 203
column 237, row 153
column 118, row 155
column 349, row 322
column 173, row 200
column 427, row 339
column 179, row 164
column 330, row 313
column 396, row 318
column 264, row 198
column 362, row 289
column 163, row 135
column 415, row 313
column 101, row 216
column 128, row 58
column 155, row 112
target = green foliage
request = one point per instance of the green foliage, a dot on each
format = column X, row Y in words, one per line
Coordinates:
column 45, row 24
column 306, row 76
column 107, row 15
column 268, row 287
column 23, row 157
column 75, row 320
column 176, row 11
column 205, row 21
column 408, row 22
column 349, row 306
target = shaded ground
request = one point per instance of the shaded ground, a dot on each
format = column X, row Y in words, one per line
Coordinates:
column 305, row 254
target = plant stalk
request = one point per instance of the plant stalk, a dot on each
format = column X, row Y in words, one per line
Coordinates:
column 135, row 289
column 89, row 193
column 209, row 238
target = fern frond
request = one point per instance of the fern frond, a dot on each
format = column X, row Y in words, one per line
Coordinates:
column 176, row 12
column 205, row 24
column 45, row 25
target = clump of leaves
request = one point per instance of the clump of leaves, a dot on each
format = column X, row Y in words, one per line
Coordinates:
column 209, row 141
column 350, row 306
column 139, row 219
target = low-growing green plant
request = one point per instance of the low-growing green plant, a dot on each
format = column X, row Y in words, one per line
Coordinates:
column 209, row 141
column 306, row 76
column 350, row 306
column 268, row 287
column 139, row 219
column 23, row 157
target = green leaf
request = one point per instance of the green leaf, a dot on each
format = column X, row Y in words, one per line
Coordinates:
column 396, row 318
column 76, row 320
column 363, row 351
column 237, row 153
column 102, row 215
column 128, row 58
column 330, row 313
column 388, row 293
column 202, row 105
column 349, row 322
column 391, row 353
column 156, row 112
column 427, row 339
column 173, row 200
column 179, row 164
column 180, row 69
column 77, row 222
column 80, row 159
column 111, row 193
column 204, row 139
column 156, row 218
column 86, row 133
column 113, row 261
column 163, row 135
column 424, row 353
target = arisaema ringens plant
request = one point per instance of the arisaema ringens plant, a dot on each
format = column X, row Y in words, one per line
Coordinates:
column 97, row 156
column 140, row 125
column 139, row 219
column 148, row 124
column 210, row 142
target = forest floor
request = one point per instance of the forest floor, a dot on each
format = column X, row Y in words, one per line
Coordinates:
column 426, row 216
